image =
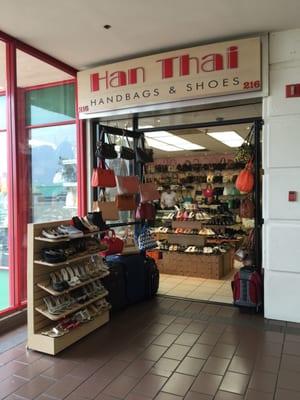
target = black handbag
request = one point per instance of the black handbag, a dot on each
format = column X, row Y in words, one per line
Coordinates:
column 126, row 152
column 143, row 155
column 105, row 150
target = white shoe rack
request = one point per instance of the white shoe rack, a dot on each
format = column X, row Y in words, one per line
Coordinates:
column 38, row 286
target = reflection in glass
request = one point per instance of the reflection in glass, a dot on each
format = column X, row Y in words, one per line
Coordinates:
column 53, row 173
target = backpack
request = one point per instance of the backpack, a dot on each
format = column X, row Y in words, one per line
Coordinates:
column 247, row 288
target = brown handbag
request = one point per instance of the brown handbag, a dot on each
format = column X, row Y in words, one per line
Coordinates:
column 108, row 208
column 247, row 208
column 125, row 202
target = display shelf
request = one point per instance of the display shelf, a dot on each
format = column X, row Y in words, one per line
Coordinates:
column 38, row 273
column 68, row 261
column 45, row 285
column 49, row 345
column 72, row 310
column 85, row 235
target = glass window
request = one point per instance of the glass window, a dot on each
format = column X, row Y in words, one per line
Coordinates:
column 48, row 105
column 53, row 173
column 2, row 111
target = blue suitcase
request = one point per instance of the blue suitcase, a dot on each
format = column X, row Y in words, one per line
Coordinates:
column 135, row 275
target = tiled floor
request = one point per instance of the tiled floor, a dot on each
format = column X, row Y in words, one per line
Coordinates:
column 197, row 288
column 165, row 350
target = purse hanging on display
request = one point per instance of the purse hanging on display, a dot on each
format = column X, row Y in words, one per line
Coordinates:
column 148, row 192
column 103, row 177
column 105, row 150
column 145, row 211
column 146, row 240
column 108, row 208
column 247, row 208
column 114, row 244
column 245, row 152
column 125, row 202
column 126, row 152
column 143, row 155
column 245, row 179
column 208, row 191
column 127, row 184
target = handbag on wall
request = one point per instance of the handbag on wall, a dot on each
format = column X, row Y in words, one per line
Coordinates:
column 126, row 152
column 114, row 244
column 146, row 240
column 247, row 208
column 103, row 177
column 245, row 179
column 125, row 202
column 145, row 211
column 208, row 191
column 127, row 184
column 148, row 192
column 143, row 155
column 108, row 208
column 105, row 150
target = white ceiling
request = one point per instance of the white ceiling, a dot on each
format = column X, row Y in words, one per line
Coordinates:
column 72, row 30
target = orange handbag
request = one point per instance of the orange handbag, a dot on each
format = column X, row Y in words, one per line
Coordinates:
column 103, row 177
column 125, row 202
column 245, row 179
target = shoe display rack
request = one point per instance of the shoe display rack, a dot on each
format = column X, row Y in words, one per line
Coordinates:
column 39, row 287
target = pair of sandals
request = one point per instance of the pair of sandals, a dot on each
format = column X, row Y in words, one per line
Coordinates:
column 162, row 230
column 57, row 305
column 173, row 247
column 208, row 250
column 191, row 249
column 169, row 216
column 202, row 216
column 206, row 232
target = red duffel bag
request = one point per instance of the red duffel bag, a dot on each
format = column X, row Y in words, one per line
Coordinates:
column 114, row 244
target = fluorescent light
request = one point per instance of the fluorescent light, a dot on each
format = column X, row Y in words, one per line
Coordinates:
column 183, row 143
column 229, row 138
column 161, row 145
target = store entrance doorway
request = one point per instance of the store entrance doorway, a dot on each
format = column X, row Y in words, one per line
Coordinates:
column 202, row 218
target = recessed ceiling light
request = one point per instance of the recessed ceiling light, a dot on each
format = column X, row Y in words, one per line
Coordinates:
column 229, row 138
column 160, row 145
column 107, row 26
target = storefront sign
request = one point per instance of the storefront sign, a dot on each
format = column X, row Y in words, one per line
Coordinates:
column 203, row 71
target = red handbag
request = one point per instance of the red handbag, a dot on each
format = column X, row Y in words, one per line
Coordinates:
column 125, row 202
column 95, row 178
column 127, row 184
column 114, row 244
column 106, row 177
column 209, row 191
column 245, row 179
column 148, row 192
column 145, row 211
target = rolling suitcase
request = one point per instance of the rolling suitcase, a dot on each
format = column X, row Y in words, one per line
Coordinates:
column 115, row 284
column 134, row 271
column 152, row 277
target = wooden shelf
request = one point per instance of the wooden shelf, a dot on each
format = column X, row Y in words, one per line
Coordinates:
column 68, row 261
column 57, row 317
column 44, row 239
column 45, row 285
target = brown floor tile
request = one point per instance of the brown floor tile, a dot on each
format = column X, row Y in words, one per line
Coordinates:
column 268, row 364
column 138, row 368
column 143, row 340
column 195, row 327
column 165, row 339
column 121, row 386
column 175, row 329
column 210, row 338
column 289, row 362
column 165, row 319
column 86, row 368
column 167, row 396
column 63, row 387
column 241, row 365
column 227, row 396
column 197, row 396
column 93, row 386
column 187, row 339
column 224, row 350
column 195, row 307
column 150, row 385
column 12, row 354
column 177, row 352
column 29, row 357
column 12, row 367
column 190, row 366
column 166, row 364
column 292, row 338
column 216, row 365
column 289, row 380
column 284, row 394
column 134, row 396
column 73, row 396
column 272, row 349
column 60, row 368
column 256, row 395
column 263, row 381
column 153, row 352
column 230, row 338
column 183, row 321
column 36, row 368
column 201, row 350
column 234, row 382
column 156, row 329
column 274, row 337
column 35, row 387
column 178, row 384
column 129, row 354
column 180, row 305
column 207, row 383
column 292, row 348
column 10, row 385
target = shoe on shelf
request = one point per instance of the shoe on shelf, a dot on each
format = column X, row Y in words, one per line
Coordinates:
column 70, row 230
column 53, row 234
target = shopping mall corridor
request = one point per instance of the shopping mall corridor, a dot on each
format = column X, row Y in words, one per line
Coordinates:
column 164, row 349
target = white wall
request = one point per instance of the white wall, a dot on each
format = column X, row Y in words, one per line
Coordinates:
column 281, row 154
